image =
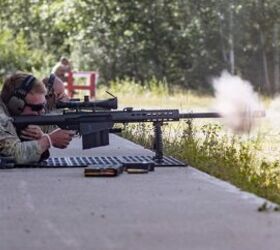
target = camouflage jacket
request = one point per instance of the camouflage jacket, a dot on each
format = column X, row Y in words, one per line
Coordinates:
column 11, row 145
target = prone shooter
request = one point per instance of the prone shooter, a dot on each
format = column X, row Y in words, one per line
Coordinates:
column 24, row 95
column 92, row 120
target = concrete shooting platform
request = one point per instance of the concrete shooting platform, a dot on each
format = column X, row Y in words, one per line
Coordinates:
column 169, row 209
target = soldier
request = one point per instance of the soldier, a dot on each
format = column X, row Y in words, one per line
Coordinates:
column 55, row 91
column 61, row 68
column 23, row 94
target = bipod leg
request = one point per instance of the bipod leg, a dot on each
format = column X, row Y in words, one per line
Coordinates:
column 158, row 143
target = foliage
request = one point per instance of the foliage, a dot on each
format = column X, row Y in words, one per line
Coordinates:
column 155, row 87
column 177, row 42
column 15, row 54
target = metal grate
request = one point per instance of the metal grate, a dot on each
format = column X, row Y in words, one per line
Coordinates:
column 83, row 161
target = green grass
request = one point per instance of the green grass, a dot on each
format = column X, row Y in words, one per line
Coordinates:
column 227, row 157
column 250, row 161
column 152, row 94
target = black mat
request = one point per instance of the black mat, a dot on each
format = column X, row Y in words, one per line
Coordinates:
column 83, row 161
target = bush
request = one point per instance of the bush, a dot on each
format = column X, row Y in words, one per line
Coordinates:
column 15, row 54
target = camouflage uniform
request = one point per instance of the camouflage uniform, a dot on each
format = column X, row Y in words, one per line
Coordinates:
column 11, row 145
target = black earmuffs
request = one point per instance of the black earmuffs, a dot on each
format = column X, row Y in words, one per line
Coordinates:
column 16, row 103
column 50, row 82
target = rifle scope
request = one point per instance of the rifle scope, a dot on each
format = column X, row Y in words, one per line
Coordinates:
column 108, row 104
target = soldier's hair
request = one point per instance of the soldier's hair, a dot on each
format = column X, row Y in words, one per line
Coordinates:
column 13, row 81
column 64, row 59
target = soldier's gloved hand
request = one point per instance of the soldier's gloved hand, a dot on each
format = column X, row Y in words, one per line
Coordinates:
column 32, row 132
column 61, row 138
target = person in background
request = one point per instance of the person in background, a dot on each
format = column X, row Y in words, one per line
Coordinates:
column 55, row 92
column 61, row 68
column 23, row 94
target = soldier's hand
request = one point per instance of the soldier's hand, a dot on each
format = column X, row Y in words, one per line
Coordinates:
column 61, row 138
column 61, row 97
column 32, row 132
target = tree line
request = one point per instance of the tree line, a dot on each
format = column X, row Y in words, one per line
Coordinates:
column 181, row 42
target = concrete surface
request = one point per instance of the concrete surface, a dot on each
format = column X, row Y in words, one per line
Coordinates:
column 171, row 208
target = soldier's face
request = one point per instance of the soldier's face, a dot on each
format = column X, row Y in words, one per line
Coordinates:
column 34, row 104
column 59, row 90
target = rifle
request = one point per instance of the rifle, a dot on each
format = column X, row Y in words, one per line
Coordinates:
column 94, row 126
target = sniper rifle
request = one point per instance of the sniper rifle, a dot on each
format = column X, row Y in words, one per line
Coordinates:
column 94, row 126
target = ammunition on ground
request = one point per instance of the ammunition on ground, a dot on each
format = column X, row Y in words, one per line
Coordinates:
column 103, row 170
column 138, row 167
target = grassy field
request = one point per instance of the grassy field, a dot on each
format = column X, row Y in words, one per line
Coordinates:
column 250, row 161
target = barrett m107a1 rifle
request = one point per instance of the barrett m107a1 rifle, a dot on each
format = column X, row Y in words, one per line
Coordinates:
column 94, row 126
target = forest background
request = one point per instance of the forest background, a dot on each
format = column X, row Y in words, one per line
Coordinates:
column 164, row 53
column 179, row 42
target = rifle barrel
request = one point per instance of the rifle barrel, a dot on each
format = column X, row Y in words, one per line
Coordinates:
column 199, row 115
column 114, row 116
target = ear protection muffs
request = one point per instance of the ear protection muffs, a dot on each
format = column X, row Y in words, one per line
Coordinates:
column 50, row 82
column 16, row 103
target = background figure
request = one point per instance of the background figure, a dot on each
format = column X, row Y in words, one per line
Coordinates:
column 61, row 68
column 55, row 91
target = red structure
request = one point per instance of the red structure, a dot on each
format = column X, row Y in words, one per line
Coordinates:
column 91, row 78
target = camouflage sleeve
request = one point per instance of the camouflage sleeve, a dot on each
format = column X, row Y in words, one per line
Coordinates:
column 48, row 128
column 10, row 144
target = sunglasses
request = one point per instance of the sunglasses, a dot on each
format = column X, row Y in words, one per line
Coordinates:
column 36, row 107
